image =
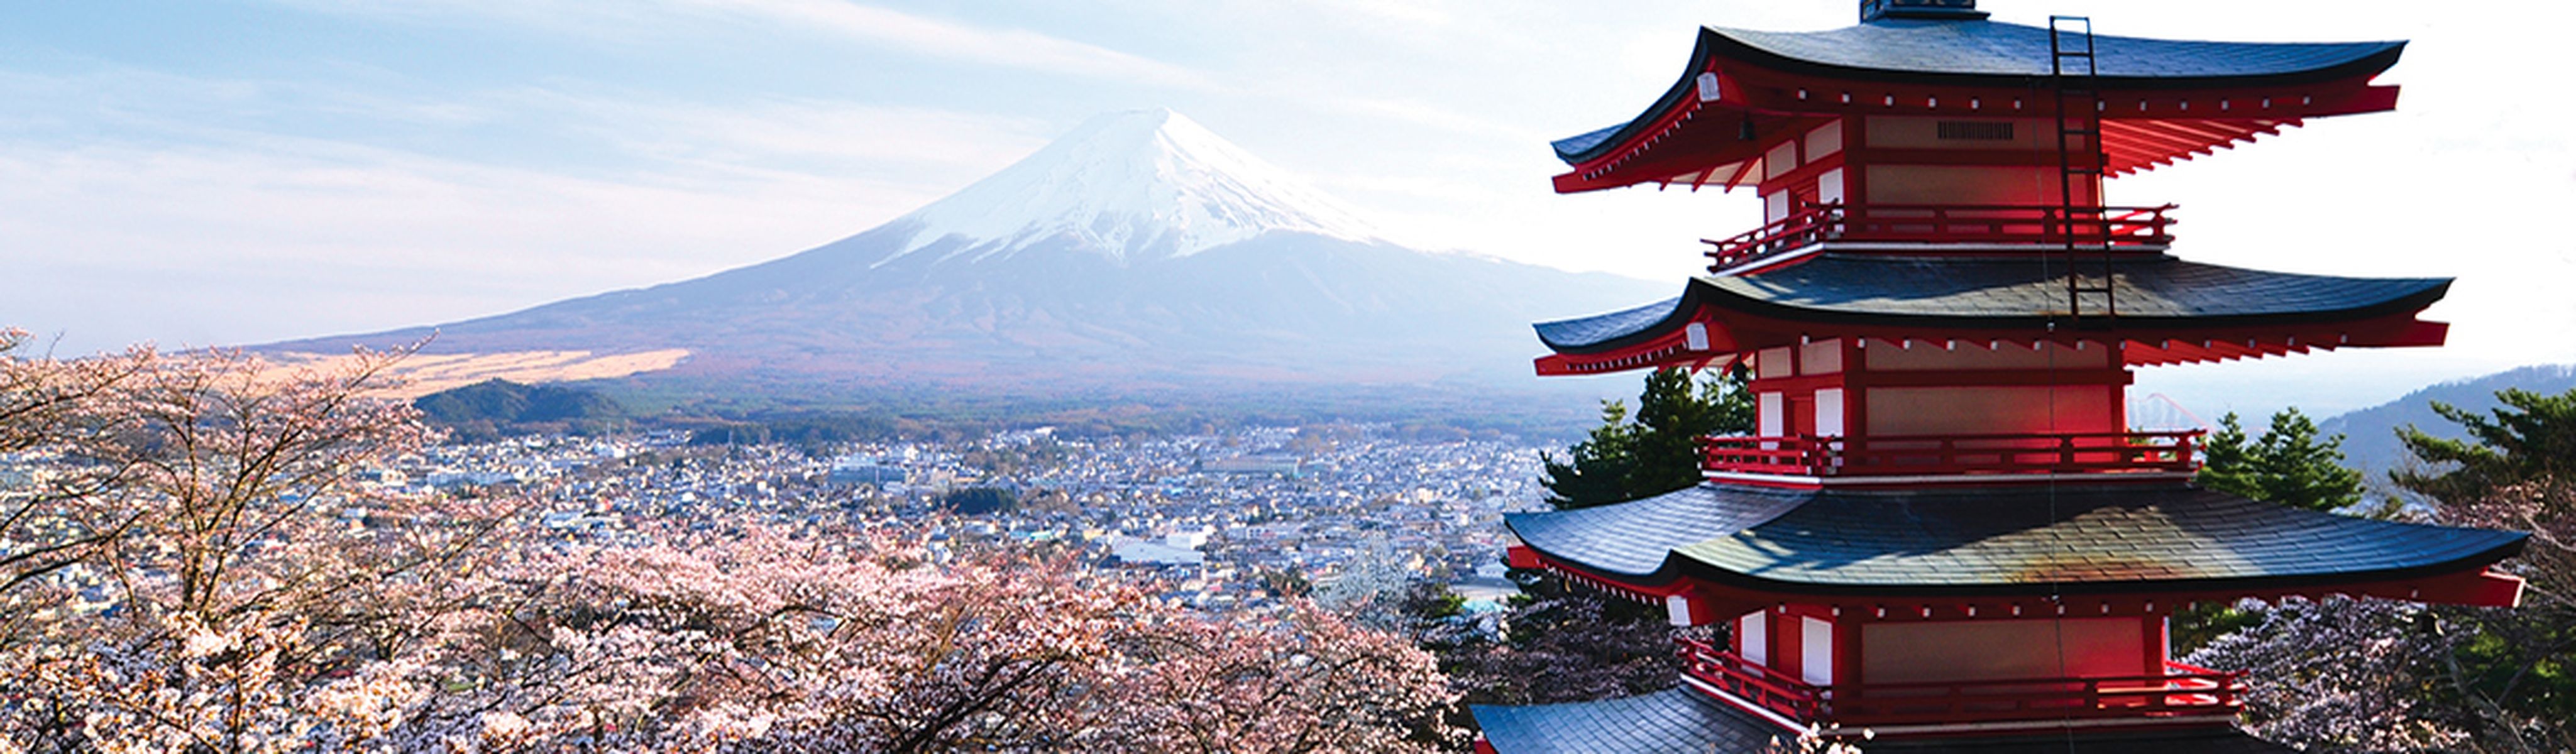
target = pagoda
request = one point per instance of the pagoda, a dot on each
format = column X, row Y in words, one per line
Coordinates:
column 1945, row 531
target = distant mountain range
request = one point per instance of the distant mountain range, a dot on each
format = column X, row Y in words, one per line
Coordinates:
column 2370, row 435
column 1139, row 258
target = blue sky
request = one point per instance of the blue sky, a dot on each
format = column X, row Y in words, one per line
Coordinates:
column 237, row 171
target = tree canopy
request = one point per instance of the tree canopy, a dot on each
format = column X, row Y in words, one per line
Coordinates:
column 1656, row 451
column 2289, row 464
column 183, row 572
column 2530, row 437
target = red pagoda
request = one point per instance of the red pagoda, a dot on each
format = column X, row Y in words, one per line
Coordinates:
column 1944, row 531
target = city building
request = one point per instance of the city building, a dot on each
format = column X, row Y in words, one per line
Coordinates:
column 1945, row 531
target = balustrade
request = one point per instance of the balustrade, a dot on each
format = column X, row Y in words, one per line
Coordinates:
column 2024, row 453
column 2180, row 690
column 2038, row 226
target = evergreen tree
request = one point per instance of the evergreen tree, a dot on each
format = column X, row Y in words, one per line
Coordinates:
column 2287, row 465
column 1597, row 469
column 1658, row 451
column 2533, row 436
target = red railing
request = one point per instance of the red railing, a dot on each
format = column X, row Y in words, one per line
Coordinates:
column 1750, row 681
column 2029, row 453
column 2181, row 690
column 2114, row 227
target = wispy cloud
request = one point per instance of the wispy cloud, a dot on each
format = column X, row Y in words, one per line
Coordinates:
column 174, row 211
column 914, row 33
column 811, row 135
column 1017, row 48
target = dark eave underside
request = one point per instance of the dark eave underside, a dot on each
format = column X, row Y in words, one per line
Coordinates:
column 1991, row 293
column 1682, row 721
column 2124, row 539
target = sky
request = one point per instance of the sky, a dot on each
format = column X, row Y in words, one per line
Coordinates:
column 216, row 172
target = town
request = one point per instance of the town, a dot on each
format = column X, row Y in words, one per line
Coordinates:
column 1228, row 520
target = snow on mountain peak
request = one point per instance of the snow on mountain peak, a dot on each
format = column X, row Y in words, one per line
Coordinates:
column 1132, row 185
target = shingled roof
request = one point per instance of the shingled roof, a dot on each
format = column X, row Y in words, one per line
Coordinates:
column 1676, row 720
column 2003, row 292
column 2100, row 539
column 1684, row 721
column 1977, row 52
column 1992, row 48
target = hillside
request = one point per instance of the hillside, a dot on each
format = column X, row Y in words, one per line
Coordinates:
column 1140, row 260
column 2370, row 435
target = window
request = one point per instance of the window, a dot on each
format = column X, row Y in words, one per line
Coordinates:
column 1974, row 130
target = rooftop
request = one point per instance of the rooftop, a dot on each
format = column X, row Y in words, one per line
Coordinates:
column 1686, row 722
column 2167, row 310
column 1962, row 542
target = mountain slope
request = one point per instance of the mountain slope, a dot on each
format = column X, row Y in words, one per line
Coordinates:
column 1139, row 254
column 2370, row 435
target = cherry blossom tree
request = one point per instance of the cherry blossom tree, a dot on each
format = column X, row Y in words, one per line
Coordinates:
column 228, row 604
column 202, row 568
column 765, row 641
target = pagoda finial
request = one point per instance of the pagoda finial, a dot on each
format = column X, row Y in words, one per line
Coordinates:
column 1948, row 10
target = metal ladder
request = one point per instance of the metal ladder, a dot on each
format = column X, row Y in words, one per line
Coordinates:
column 2080, row 158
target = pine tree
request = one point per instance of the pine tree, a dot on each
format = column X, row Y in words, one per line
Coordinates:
column 2533, row 436
column 1658, row 451
column 2287, row 465
column 1597, row 469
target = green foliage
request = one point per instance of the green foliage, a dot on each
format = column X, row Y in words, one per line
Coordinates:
column 1658, row 451
column 2287, row 465
column 2530, row 437
column 492, row 408
column 977, row 501
column 2195, row 626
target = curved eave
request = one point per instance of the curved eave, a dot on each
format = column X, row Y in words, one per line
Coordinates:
column 1687, row 137
column 2462, row 577
column 2331, row 62
column 2466, row 580
column 1714, row 320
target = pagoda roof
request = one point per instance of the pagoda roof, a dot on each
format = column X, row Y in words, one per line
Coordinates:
column 1675, row 721
column 1994, row 541
column 1993, row 48
column 1978, row 52
column 1684, row 721
column 1762, row 81
column 2159, row 297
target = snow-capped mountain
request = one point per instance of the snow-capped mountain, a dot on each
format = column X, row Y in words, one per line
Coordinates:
column 1140, row 184
column 1139, row 255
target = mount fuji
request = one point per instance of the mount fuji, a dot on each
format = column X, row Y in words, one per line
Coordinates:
column 1140, row 257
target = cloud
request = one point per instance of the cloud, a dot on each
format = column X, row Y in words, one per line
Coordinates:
column 1006, row 47
column 799, row 134
column 918, row 34
column 197, row 221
